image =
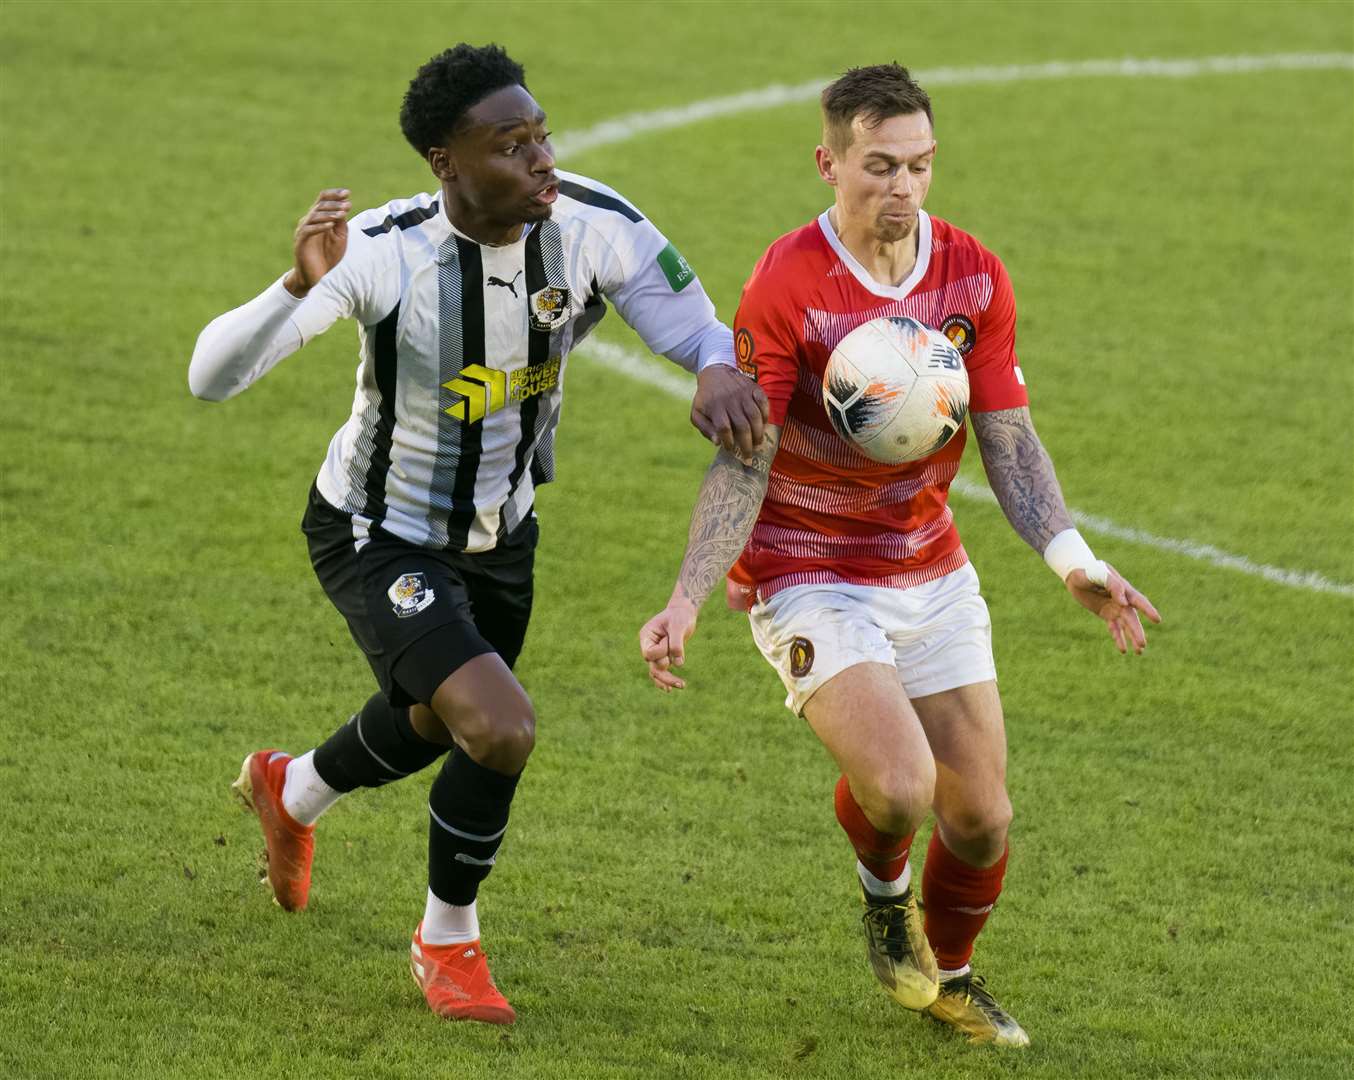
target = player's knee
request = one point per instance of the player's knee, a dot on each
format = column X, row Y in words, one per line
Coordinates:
column 898, row 800
column 515, row 737
column 501, row 738
column 978, row 834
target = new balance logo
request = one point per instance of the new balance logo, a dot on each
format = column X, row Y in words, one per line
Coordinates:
column 481, row 390
column 510, row 285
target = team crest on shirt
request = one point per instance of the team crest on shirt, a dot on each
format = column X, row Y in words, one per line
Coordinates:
column 410, row 594
column 743, row 351
column 959, row 329
column 548, row 307
column 801, row 657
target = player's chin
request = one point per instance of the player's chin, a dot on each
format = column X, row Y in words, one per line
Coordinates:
column 537, row 211
column 890, row 228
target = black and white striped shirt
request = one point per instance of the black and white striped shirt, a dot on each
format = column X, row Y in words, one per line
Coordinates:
column 463, row 348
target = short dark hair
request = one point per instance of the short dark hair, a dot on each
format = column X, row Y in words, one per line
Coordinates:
column 873, row 93
column 449, row 84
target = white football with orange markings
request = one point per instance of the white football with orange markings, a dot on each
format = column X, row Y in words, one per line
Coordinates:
column 896, row 390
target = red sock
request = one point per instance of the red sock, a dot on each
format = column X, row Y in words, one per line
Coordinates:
column 958, row 898
column 882, row 854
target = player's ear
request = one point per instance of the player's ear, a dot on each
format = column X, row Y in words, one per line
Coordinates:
column 827, row 167
column 441, row 163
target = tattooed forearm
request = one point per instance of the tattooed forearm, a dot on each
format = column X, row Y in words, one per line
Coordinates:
column 723, row 518
column 1021, row 475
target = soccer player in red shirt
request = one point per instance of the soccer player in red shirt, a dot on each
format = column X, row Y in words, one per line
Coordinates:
column 860, row 594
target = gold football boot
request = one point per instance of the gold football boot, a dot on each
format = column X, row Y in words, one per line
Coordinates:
column 964, row 1003
column 898, row 950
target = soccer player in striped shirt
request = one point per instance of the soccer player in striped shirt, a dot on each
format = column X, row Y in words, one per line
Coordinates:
column 861, row 595
column 420, row 524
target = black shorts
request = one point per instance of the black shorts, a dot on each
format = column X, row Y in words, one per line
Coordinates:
column 420, row 613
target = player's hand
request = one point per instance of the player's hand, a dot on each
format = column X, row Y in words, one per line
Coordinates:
column 1118, row 603
column 730, row 410
column 320, row 240
column 663, row 642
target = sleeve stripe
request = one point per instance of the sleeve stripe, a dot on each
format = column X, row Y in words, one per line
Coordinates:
column 582, row 194
column 410, row 218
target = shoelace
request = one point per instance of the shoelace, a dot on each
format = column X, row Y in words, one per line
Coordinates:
column 887, row 927
column 976, row 993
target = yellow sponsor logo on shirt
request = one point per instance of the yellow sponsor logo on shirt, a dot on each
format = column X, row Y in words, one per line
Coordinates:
column 481, row 390
column 537, row 379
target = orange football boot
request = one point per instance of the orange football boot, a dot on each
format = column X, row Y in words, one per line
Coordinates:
column 456, row 983
column 291, row 845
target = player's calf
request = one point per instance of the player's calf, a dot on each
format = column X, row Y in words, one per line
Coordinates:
column 376, row 746
column 959, row 897
column 468, row 816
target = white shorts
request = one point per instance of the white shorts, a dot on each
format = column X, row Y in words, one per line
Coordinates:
column 938, row 635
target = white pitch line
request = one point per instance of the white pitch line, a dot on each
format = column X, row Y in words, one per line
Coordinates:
column 681, row 385
column 621, row 128
column 666, row 376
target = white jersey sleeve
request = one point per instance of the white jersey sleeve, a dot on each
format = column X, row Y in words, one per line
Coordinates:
column 364, row 286
column 654, row 289
column 240, row 347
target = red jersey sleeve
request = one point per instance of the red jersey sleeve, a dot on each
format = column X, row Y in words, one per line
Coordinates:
column 994, row 376
column 765, row 342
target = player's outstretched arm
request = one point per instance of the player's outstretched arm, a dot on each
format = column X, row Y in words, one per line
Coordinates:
column 721, row 522
column 243, row 345
column 1021, row 476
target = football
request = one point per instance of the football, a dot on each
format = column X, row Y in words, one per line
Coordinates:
column 896, row 390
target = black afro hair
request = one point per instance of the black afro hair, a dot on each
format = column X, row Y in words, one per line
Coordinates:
column 449, row 84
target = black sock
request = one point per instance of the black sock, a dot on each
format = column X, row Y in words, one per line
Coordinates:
column 374, row 747
column 468, row 815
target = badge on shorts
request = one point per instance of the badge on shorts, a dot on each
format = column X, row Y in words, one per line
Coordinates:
column 801, row 657
column 410, row 594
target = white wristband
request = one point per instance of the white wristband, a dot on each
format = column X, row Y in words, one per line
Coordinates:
column 1068, row 551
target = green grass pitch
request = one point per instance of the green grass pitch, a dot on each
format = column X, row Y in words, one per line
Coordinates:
column 674, row 899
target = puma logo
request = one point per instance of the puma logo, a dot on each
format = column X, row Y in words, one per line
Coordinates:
column 512, row 285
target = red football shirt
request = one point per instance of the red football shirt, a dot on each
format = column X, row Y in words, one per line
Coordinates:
column 831, row 514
